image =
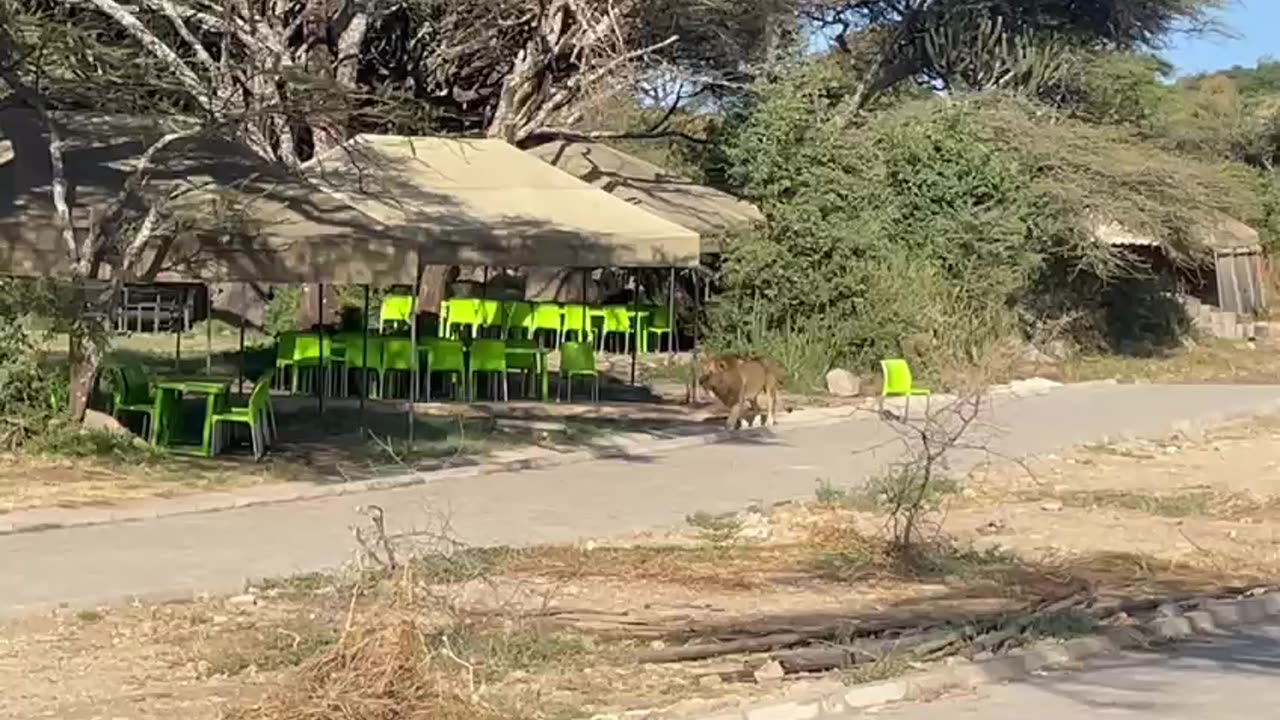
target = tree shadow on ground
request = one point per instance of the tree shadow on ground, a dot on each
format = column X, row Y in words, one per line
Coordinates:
column 346, row 440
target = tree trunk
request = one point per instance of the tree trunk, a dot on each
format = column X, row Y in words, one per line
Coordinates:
column 85, row 358
column 434, row 288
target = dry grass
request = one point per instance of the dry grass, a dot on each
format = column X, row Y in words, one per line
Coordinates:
column 28, row 482
column 383, row 668
column 1210, row 361
column 550, row 632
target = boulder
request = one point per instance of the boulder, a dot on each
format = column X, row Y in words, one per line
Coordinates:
column 95, row 420
column 842, row 383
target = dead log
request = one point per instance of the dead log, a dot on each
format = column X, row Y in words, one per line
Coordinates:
column 702, row 651
column 838, row 657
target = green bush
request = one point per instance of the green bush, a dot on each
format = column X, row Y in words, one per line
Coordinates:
column 908, row 228
column 936, row 229
column 282, row 310
column 32, row 395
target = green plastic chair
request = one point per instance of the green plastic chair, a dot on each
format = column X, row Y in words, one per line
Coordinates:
column 461, row 312
column 524, row 363
column 314, row 354
column 131, row 392
column 357, row 359
column 547, row 317
column 488, row 356
column 492, row 314
column 515, row 318
column 397, row 357
column 284, row 355
column 617, row 321
column 658, row 323
column 396, row 310
column 898, row 383
column 257, row 416
column 577, row 320
column 447, row 357
column 578, row 360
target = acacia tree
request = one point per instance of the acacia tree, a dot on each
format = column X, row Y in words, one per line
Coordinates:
column 984, row 44
column 118, row 234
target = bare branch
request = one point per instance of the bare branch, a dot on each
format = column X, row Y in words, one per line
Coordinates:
column 555, row 133
column 58, row 182
column 158, row 49
column 171, row 11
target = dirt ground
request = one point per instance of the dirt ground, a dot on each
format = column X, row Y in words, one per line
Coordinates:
column 553, row 631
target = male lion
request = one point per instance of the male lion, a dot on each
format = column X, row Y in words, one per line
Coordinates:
column 741, row 380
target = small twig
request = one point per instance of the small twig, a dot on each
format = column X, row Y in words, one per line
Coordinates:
column 351, row 614
column 297, row 639
column 471, row 669
column 1194, row 544
column 376, row 515
column 369, row 553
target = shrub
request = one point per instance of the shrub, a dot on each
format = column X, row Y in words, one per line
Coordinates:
column 935, row 229
column 282, row 310
column 31, row 395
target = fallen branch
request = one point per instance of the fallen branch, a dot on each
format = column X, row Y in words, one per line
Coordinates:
column 837, row 657
column 764, row 643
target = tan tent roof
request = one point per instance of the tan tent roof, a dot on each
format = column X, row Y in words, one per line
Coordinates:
column 484, row 202
column 243, row 218
column 708, row 211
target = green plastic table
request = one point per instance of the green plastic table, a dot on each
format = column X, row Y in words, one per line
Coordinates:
column 169, row 394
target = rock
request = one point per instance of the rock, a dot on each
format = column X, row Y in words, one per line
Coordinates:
column 769, row 672
column 94, row 420
column 1052, row 506
column 1169, row 610
column 711, row 681
column 242, row 600
column 755, row 527
column 1033, row 354
column 842, row 383
column 993, row 527
column 1032, row 386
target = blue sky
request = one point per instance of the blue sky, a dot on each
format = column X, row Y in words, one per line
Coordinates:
column 1255, row 25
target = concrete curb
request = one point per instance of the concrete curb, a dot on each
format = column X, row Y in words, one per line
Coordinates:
column 38, row 520
column 1217, row 617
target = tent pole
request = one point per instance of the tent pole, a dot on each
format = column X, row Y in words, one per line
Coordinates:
column 671, row 312
column 320, row 340
column 693, row 355
column 413, row 362
column 208, row 331
column 364, row 358
column 635, row 320
column 240, row 363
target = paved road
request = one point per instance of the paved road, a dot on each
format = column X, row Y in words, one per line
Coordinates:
column 1231, row 678
column 216, row 552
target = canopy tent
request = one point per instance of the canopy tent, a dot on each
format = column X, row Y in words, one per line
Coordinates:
column 485, row 203
column 240, row 218
column 705, row 210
